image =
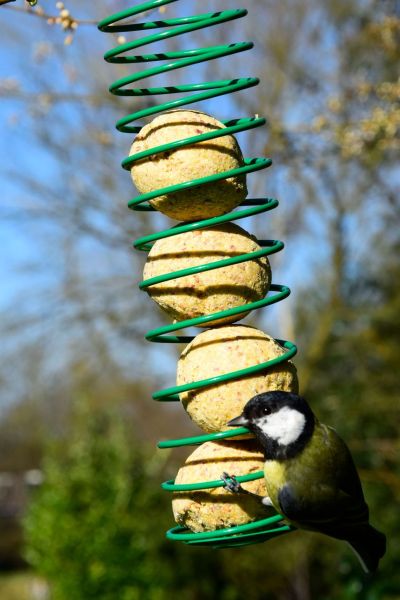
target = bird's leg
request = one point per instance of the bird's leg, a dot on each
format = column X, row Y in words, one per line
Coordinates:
column 232, row 485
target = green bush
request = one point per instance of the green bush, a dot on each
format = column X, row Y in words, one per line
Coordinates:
column 92, row 528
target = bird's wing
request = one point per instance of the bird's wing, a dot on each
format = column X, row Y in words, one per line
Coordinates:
column 351, row 503
column 347, row 478
column 336, row 498
column 322, row 508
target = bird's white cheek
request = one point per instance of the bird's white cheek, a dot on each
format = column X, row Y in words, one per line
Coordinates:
column 284, row 426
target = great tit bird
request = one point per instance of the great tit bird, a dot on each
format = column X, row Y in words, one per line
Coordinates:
column 310, row 475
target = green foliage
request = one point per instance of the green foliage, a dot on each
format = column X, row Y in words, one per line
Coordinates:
column 89, row 527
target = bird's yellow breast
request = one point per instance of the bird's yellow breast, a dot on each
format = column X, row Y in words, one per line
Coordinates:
column 322, row 455
column 275, row 478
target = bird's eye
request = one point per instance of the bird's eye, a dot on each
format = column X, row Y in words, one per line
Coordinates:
column 266, row 410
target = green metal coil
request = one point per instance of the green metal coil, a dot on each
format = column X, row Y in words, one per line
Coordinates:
column 264, row 529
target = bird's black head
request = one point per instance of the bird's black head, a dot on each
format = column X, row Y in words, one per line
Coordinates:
column 281, row 421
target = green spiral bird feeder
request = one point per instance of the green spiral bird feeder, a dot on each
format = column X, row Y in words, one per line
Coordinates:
column 158, row 31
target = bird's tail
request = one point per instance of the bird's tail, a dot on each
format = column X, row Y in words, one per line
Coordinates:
column 369, row 545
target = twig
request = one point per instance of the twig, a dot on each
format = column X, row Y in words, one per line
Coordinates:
column 40, row 13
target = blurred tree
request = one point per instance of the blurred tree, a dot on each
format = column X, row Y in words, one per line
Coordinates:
column 85, row 529
column 44, row 414
column 365, row 113
column 329, row 86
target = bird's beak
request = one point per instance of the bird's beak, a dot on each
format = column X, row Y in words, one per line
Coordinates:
column 239, row 421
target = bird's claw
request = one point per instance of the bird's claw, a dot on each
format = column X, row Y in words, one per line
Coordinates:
column 231, row 483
